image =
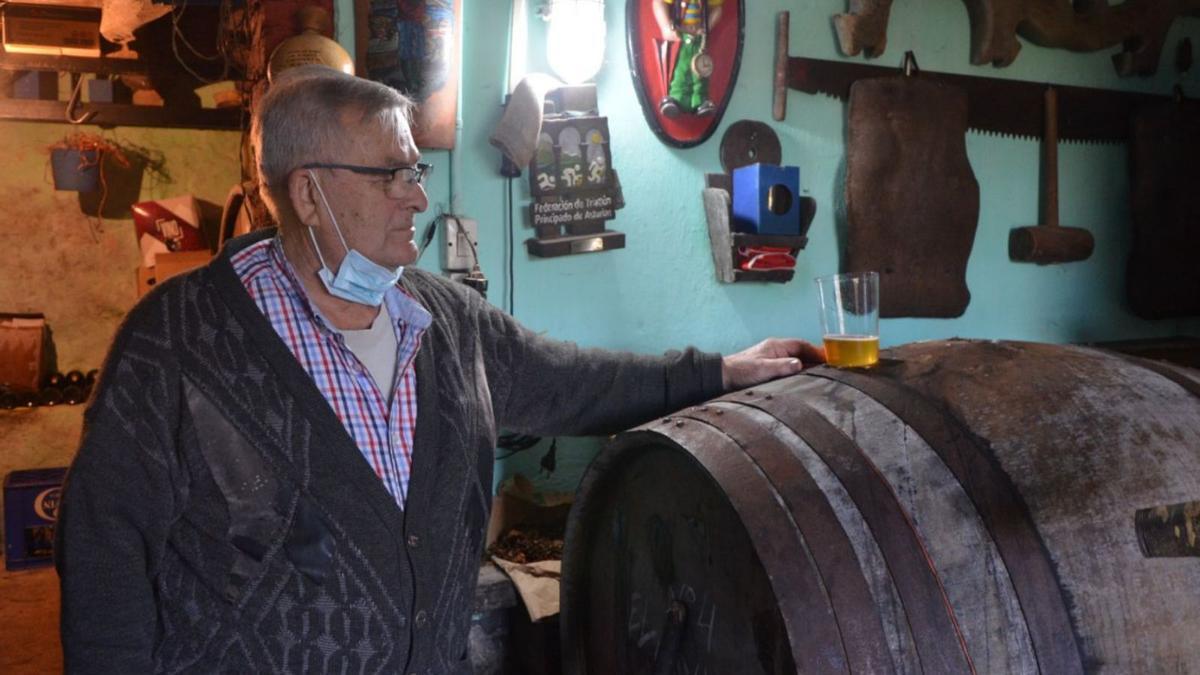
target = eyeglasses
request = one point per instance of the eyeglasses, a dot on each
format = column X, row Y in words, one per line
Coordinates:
column 412, row 175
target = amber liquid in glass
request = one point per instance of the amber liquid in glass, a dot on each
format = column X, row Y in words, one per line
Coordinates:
column 851, row 351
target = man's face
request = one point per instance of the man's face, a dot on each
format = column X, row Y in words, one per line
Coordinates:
column 375, row 213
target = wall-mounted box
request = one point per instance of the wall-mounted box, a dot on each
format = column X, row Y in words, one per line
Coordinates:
column 56, row 30
column 727, row 243
column 459, row 243
column 31, row 499
column 766, row 199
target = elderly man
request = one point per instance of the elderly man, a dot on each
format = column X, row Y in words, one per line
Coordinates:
column 286, row 464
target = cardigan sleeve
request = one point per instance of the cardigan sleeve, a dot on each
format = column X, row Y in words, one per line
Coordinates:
column 115, row 513
column 551, row 387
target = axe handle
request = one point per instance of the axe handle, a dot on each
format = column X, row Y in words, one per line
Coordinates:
column 1049, row 209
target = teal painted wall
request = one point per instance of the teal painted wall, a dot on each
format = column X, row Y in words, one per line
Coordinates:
column 660, row 291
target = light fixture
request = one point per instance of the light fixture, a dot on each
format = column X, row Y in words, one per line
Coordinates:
column 575, row 43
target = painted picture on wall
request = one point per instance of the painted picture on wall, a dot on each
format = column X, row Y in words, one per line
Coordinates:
column 684, row 57
column 413, row 46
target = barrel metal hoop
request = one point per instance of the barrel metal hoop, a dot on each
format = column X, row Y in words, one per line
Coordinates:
column 859, row 623
column 812, row 628
column 939, row 641
column 999, row 505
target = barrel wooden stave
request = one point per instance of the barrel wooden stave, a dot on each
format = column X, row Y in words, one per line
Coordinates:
column 888, row 607
column 817, row 525
column 1111, row 437
column 961, row 549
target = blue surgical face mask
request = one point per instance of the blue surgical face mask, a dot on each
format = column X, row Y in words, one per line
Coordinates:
column 358, row 279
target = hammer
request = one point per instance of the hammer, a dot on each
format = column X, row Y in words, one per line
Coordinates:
column 1049, row 243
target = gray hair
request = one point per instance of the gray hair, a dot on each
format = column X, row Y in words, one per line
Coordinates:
column 299, row 121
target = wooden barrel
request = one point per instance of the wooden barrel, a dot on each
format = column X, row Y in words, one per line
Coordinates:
column 963, row 507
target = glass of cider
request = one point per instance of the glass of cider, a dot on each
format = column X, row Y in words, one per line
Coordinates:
column 850, row 318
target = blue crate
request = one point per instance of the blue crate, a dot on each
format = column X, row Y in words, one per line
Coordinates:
column 766, row 199
column 31, row 499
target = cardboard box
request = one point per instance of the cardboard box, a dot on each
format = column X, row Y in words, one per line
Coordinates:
column 167, row 265
column 26, row 352
column 31, row 499
column 57, row 30
column 167, row 226
column 108, row 91
column 36, row 85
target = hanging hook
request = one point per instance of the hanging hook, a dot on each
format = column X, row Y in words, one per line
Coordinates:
column 73, row 102
column 910, row 64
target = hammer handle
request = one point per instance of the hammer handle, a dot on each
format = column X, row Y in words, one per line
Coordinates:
column 1049, row 209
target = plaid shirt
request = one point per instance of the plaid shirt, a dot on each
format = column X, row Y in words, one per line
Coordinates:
column 384, row 434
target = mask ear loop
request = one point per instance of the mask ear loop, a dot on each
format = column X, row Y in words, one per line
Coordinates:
column 332, row 218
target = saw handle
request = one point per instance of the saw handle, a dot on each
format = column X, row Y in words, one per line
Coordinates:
column 1049, row 205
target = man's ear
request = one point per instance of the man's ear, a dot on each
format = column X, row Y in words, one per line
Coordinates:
column 303, row 195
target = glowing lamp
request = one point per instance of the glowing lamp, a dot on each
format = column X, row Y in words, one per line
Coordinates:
column 575, row 44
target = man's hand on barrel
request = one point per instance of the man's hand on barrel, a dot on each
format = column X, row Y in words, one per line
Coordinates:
column 767, row 360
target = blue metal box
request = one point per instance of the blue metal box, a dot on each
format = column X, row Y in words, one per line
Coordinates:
column 766, row 199
column 31, row 499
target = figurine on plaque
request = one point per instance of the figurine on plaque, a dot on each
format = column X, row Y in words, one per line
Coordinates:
column 687, row 22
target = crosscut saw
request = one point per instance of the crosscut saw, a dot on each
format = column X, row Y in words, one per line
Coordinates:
column 994, row 105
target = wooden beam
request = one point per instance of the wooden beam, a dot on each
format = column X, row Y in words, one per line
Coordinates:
column 117, row 114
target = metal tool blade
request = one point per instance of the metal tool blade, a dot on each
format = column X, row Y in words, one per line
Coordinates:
column 1006, row 107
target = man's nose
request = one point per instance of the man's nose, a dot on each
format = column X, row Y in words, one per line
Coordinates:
column 410, row 195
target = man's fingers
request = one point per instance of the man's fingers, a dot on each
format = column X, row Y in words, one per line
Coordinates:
column 784, row 367
column 812, row 353
column 805, row 351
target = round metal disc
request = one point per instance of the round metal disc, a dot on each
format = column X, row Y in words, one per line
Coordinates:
column 749, row 142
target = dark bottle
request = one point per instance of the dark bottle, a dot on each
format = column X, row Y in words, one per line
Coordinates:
column 90, row 378
column 50, row 396
column 75, row 377
column 55, row 380
column 8, row 400
column 27, row 400
column 73, row 394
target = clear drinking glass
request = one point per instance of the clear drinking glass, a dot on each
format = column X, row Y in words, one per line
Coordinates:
column 850, row 318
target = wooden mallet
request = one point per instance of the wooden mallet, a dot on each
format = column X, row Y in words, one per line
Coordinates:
column 1048, row 242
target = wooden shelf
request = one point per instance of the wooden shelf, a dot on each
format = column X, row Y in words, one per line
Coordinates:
column 774, row 276
column 782, row 240
column 118, row 114
column 71, row 64
column 107, row 114
column 726, row 242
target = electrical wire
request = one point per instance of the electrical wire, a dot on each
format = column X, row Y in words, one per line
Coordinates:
column 512, row 225
column 428, row 234
column 467, row 238
column 177, row 37
column 515, row 443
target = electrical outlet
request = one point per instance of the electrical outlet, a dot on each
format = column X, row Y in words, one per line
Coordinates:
column 459, row 243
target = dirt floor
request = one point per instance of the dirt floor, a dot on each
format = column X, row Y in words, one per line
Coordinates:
column 29, row 613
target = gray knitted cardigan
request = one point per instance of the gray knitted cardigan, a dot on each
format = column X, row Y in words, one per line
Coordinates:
column 219, row 518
